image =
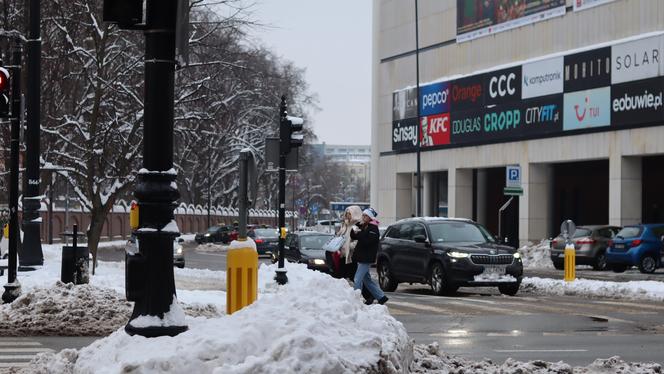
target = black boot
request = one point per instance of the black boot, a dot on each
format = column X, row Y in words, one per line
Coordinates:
column 383, row 300
column 369, row 300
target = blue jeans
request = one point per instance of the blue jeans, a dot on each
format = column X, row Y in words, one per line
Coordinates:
column 362, row 276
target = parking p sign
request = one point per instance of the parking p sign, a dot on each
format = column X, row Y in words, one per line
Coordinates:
column 513, row 180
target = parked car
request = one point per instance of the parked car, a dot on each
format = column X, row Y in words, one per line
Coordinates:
column 590, row 243
column 178, row 253
column 267, row 240
column 446, row 253
column 637, row 245
column 216, row 234
column 306, row 247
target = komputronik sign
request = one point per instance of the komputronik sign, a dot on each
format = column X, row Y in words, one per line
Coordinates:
column 592, row 89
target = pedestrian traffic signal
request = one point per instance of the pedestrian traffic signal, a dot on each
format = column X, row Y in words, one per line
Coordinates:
column 287, row 132
column 4, row 92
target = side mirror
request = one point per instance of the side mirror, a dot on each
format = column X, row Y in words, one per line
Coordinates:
column 180, row 240
column 420, row 239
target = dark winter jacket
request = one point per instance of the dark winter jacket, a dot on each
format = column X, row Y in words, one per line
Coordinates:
column 368, row 240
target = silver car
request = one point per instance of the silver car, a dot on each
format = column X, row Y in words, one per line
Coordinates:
column 590, row 243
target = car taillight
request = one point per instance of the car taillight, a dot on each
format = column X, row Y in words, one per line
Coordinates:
column 258, row 241
column 636, row 242
column 610, row 243
column 553, row 243
column 585, row 241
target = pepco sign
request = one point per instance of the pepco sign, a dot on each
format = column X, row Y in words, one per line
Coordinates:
column 435, row 99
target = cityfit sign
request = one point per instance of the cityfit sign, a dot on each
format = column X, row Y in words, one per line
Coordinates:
column 542, row 115
column 638, row 102
column 639, row 59
column 404, row 104
column 435, row 98
column 542, row 78
column 435, row 130
column 585, row 109
column 404, row 134
column 589, row 69
column 503, row 86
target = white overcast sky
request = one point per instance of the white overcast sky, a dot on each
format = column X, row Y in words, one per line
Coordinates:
column 332, row 41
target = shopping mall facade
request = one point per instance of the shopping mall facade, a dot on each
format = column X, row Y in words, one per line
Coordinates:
column 567, row 92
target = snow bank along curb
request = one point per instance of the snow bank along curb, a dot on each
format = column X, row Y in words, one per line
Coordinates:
column 635, row 290
column 429, row 359
column 313, row 324
column 536, row 256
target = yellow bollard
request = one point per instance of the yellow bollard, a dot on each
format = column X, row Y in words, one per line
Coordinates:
column 5, row 231
column 241, row 275
column 570, row 263
column 133, row 216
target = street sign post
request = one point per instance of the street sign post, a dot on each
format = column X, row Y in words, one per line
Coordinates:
column 513, row 181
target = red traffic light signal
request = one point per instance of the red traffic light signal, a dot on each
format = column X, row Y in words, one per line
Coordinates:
column 4, row 79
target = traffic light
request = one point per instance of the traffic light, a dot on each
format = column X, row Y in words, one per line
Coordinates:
column 288, row 138
column 125, row 13
column 4, row 92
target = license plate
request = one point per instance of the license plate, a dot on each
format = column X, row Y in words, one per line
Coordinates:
column 619, row 246
column 497, row 270
column 561, row 255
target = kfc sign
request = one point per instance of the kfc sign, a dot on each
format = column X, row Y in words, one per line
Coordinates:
column 435, row 130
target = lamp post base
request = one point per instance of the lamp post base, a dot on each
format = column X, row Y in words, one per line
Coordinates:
column 12, row 292
column 155, row 331
column 281, row 277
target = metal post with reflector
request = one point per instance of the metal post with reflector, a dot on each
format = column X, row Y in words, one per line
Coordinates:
column 4, row 90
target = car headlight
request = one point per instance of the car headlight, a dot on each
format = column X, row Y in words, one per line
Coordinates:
column 178, row 249
column 458, row 254
column 317, row 261
column 207, row 235
column 517, row 255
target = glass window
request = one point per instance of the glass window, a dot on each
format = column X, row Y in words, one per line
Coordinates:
column 406, row 231
column 630, row 232
column 393, row 232
column 313, row 241
column 581, row 232
column 419, row 229
column 458, row 232
column 267, row 233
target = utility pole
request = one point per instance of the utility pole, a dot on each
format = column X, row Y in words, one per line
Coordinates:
column 13, row 287
column 31, row 252
column 419, row 122
column 209, row 186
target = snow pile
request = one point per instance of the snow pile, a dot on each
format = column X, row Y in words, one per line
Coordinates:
column 212, row 247
column 635, row 290
column 313, row 324
column 429, row 359
column 65, row 310
column 536, row 255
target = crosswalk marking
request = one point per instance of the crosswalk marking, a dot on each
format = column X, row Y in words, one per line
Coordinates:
column 399, row 312
column 18, row 352
column 427, row 308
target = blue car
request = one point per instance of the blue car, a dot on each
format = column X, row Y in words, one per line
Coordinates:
column 637, row 245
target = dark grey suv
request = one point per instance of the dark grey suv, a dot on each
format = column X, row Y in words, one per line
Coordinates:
column 446, row 253
column 590, row 244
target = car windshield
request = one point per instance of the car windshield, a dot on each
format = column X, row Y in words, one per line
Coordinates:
column 456, row 232
column 630, row 232
column 267, row 233
column 213, row 229
column 313, row 242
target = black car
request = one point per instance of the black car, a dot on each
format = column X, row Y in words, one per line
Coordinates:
column 306, row 247
column 215, row 234
column 267, row 240
column 446, row 253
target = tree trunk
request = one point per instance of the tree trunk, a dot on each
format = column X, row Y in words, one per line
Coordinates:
column 97, row 219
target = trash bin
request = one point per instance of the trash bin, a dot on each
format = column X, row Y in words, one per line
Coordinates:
column 75, row 260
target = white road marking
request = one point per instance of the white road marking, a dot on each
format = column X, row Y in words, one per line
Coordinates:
column 14, row 364
column 36, row 350
column 427, row 308
column 5, row 343
column 16, row 357
column 538, row 350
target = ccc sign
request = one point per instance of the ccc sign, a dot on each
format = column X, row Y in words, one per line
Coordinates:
column 503, row 86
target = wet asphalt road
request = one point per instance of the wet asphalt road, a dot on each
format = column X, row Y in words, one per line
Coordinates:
column 480, row 323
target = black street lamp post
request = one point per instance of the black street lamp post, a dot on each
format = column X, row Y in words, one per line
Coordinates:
column 13, row 287
column 31, row 252
column 419, row 122
column 150, row 271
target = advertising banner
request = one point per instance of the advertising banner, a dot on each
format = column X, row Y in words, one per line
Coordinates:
column 502, row 86
column 435, row 98
column 637, row 102
column 404, row 104
column 589, row 69
column 435, row 130
column 542, row 78
column 404, row 134
column 639, row 59
column 585, row 4
column 542, row 116
column 480, row 18
column 585, row 109
column 467, row 93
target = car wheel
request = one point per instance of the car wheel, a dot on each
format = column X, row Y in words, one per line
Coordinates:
column 181, row 266
column 618, row 268
column 438, row 281
column 509, row 289
column 385, row 279
column 559, row 265
column 648, row 264
column 600, row 262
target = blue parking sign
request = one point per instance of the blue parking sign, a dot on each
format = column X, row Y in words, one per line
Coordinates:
column 513, row 176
